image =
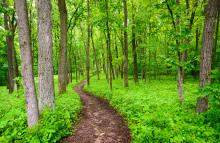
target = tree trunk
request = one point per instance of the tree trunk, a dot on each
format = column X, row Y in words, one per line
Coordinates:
column 155, row 64
column 149, row 65
column 195, row 63
column 95, row 55
column 10, row 27
column 116, row 54
column 134, row 47
column 125, row 44
column 181, row 57
column 215, row 43
column 26, row 63
column 103, row 63
column 208, row 41
column 211, row 13
column 62, row 71
column 108, row 39
column 88, row 45
column 45, row 56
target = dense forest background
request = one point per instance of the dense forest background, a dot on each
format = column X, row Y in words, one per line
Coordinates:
column 139, row 42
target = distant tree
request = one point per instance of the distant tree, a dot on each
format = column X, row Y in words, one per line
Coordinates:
column 125, row 44
column 26, row 62
column 134, row 45
column 180, row 54
column 88, row 44
column 95, row 55
column 45, row 56
column 10, row 26
column 180, row 71
column 62, row 72
column 214, row 56
column 109, row 69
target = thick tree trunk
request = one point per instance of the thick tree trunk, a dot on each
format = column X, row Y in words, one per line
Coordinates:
column 88, row 45
column 26, row 63
column 208, row 41
column 62, row 71
column 211, row 13
column 134, row 47
column 45, row 56
column 125, row 44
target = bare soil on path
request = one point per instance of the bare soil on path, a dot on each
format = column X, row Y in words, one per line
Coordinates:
column 98, row 123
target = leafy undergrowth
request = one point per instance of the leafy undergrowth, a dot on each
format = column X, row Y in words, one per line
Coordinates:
column 153, row 111
column 52, row 126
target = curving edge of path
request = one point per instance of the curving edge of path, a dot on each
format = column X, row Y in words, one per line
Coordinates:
column 99, row 122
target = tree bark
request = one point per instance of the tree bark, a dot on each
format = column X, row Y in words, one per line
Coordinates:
column 11, row 56
column 88, row 45
column 149, row 65
column 195, row 63
column 134, row 47
column 155, row 64
column 181, row 57
column 62, row 71
column 45, row 56
column 26, row 63
column 208, row 41
column 108, row 39
column 95, row 55
column 214, row 57
column 125, row 44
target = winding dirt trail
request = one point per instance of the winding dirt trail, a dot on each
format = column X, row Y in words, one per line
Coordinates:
column 99, row 123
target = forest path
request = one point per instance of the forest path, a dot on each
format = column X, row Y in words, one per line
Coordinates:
column 99, row 123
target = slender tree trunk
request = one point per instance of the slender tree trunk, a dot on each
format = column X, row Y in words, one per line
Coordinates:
column 208, row 41
column 103, row 63
column 181, row 55
column 95, row 55
column 45, row 56
column 215, row 43
column 26, row 63
column 145, row 64
column 149, row 65
column 88, row 45
column 195, row 63
column 125, row 44
column 116, row 54
column 10, row 27
column 134, row 47
column 123, row 53
column 62, row 71
column 108, row 38
column 155, row 64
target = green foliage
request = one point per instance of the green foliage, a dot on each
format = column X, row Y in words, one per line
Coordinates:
column 153, row 112
column 52, row 126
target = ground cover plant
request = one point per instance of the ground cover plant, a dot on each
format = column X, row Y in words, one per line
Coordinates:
column 158, row 62
column 52, row 126
column 154, row 113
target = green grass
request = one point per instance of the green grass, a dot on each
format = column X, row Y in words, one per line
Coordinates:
column 52, row 126
column 153, row 111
